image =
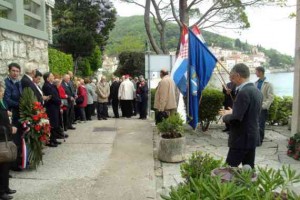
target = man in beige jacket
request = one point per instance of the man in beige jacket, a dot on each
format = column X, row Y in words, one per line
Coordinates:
column 103, row 91
column 165, row 96
column 266, row 89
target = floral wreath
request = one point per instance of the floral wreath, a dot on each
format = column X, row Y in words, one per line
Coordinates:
column 36, row 126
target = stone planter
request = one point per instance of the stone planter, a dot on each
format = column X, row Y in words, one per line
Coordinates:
column 171, row 150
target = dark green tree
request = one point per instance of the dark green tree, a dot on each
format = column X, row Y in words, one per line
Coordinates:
column 81, row 25
column 95, row 59
column 132, row 63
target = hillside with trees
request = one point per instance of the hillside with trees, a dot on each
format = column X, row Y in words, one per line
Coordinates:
column 129, row 34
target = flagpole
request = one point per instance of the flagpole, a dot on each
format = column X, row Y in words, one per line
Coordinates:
column 224, row 83
column 223, row 67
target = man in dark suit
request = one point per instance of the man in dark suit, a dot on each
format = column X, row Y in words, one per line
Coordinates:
column 27, row 80
column 68, row 87
column 243, row 119
column 114, row 89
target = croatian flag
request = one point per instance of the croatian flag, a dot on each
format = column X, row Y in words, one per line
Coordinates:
column 179, row 71
column 24, row 154
column 201, row 65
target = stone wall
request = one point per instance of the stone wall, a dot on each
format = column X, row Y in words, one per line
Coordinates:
column 19, row 48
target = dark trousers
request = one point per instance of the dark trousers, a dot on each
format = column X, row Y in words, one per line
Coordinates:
column 94, row 108
column 262, row 123
column 102, row 110
column 143, row 109
column 18, row 142
column 88, row 111
column 122, row 108
column 237, row 156
column 134, row 106
column 71, row 114
column 82, row 113
column 127, row 108
column 115, row 107
column 4, row 179
column 66, row 122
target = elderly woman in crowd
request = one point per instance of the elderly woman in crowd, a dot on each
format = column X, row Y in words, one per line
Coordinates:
column 5, row 127
column 82, row 100
column 142, row 98
column 90, row 102
column 64, row 104
column 52, row 108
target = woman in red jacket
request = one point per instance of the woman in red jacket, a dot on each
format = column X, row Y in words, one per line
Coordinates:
column 82, row 99
column 64, row 102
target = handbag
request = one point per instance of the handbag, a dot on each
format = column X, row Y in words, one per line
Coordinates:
column 8, row 150
column 79, row 100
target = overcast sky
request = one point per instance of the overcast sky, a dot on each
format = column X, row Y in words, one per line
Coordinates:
column 271, row 27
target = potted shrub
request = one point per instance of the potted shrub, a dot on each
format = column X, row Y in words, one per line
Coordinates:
column 210, row 104
column 172, row 144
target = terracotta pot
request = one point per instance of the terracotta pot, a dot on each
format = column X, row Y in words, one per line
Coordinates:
column 171, row 150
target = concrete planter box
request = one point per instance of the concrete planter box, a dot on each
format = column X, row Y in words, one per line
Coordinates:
column 172, row 150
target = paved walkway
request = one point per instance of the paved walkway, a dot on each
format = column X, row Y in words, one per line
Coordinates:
column 109, row 160
column 116, row 160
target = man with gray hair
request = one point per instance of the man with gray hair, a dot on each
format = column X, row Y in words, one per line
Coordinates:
column 27, row 79
column 243, row 119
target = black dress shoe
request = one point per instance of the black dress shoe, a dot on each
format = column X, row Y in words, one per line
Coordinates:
column 9, row 176
column 5, row 197
column 16, row 169
column 10, row 191
column 51, row 144
column 226, row 130
column 57, row 142
column 72, row 128
column 104, row 118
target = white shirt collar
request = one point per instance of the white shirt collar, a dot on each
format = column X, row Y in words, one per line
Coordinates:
column 29, row 77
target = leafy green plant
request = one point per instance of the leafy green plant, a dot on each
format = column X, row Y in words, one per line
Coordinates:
column 284, row 110
column 270, row 184
column 59, row 62
column 272, row 112
column 171, row 127
column 210, row 104
column 280, row 110
column 199, row 164
column 84, row 67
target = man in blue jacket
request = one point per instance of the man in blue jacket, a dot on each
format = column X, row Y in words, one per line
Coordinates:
column 243, row 119
column 13, row 91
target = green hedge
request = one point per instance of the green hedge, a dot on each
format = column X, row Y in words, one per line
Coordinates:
column 59, row 62
column 280, row 110
column 210, row 104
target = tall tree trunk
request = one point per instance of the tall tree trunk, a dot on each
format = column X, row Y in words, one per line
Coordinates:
column 148, row 28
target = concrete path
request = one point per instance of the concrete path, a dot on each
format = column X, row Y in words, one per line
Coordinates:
column 107, row 160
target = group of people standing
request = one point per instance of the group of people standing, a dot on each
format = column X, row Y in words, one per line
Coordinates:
column 130, row 95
